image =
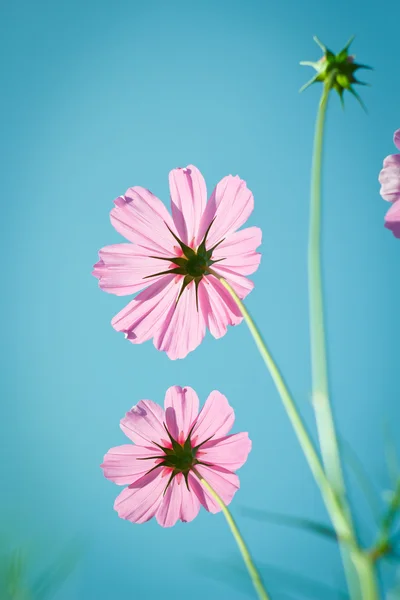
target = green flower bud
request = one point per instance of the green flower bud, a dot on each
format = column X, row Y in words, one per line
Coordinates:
column 336, row 71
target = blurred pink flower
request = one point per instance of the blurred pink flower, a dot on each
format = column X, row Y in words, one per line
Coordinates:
column 171, row 257
column 392, row 219
column 389, row 177
column 169, row 445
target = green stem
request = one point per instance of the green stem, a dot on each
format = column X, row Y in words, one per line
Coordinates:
column 339, row 519
column 320, row 390
column 384, row 544
column 367, row 577
column 252, row 569
column 323, row 413
column 338, row 515
column 320, row 394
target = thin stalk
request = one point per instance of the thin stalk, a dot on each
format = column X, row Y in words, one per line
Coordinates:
column 384, row 543
column 333, row 505
column 337, row 513
column 367, row 576
column 323, row 413
column 252, row 569
column 320, row 388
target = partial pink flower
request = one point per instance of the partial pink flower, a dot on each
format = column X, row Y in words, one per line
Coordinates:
column 392, row 219
column 389, row 177
column 169, row 447
column 172, row 256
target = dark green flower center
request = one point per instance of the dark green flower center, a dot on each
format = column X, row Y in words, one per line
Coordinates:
column 196, row 265
column 193, row 264
column 181, row 458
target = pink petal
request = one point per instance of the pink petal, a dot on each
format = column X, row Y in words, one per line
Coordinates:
column 181, row 409
column 230, row 205
column 144, row 424
column 389, row 178
column 396, row 138
column 221, row 480
column 238, row 251
column 126, row 464
column 216, row 419
column 142, row 219
column 140, row 501
column 123, row 269
column 392, row 219
column 241, row 285
column 178, row 503
column 217, row 306
column 183, row 327
column 145, row 314
column 188, row 200
column 230, row 452
column 190, row 504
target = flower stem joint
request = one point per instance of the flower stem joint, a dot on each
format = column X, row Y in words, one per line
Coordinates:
column 336, row 71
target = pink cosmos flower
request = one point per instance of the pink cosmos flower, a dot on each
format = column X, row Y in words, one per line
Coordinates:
column 170, row 446
column 171, row 256
column 389, row 177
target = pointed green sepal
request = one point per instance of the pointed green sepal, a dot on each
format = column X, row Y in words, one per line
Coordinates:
column 187, row 251
column 336, row 71
column 187, row 279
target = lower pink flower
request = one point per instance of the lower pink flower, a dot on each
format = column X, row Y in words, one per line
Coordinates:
column 170, row 447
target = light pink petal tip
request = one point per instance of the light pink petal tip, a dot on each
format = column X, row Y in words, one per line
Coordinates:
column 188, row 200
column 183, row 326
column 181, row 410
column 144, row 424
column 396, row 138
column 229, row 452
column 124, row 269
column 392, row 219
column 143, row 219
column 229, row 207
column 179, row 503
column 216, row 419
column 389, row 178
column 223, row 481
column 139, row 502
column 238, row 251
column 126, row 464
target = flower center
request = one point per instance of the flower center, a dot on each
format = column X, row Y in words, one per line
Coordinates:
column 180, row 458
column 196, row 265
column 193, row 264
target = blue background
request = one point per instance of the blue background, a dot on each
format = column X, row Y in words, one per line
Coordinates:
column 100, row 96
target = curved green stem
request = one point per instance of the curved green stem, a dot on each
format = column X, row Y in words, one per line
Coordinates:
column 337, row 512
column 320, row 391
column 323, row 413
column 252, row 569
column 355, row 573
column 333, row 505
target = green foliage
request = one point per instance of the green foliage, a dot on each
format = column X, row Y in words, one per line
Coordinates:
column 22, row 579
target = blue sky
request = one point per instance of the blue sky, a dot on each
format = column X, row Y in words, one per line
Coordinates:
column 99, row 97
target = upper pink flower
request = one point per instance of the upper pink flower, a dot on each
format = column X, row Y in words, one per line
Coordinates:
column 171, row 256
column 389, row 177
column 171, row 446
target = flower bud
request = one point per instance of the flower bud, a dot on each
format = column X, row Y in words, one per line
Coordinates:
column 336, row 71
